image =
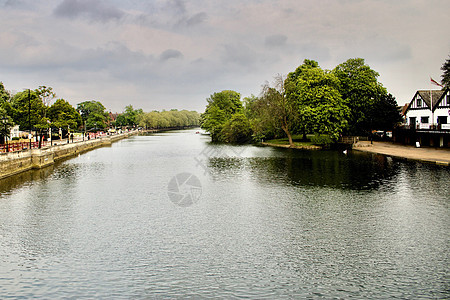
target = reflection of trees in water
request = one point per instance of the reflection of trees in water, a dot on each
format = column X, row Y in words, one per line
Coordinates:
column 10, row 183
column 331, row 169
column 59, row 170
column 356, row 170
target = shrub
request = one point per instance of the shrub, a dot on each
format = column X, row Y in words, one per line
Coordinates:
column 16, row 138
column 321, row 139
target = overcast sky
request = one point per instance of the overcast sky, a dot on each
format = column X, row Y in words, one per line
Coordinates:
column 163, row 54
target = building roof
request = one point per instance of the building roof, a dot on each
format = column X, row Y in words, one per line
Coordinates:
column 426, row 96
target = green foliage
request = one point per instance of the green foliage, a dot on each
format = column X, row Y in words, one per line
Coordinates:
column 94, row 114
column 169, row 119
column 220, row 108
column 64, row 115
column 236, row 130
column 320, row 107
column 384, row 114
column 4, row 94
column 5, row 123
column 321, row 139
column 130, row 117
column 361, row 91
column 27, row 110
column 446, row 73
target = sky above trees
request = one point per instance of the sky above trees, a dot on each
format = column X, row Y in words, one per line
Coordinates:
column 175, row 54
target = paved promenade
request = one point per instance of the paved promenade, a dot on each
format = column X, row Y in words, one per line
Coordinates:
column 430, row 155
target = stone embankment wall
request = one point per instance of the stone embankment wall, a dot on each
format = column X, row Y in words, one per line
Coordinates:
column 16, row 162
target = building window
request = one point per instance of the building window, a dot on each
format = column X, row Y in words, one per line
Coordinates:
column 424, row 120
column 419, row 102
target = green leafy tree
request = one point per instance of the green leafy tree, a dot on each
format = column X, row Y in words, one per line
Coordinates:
column 4, row 94
column 320, row 105
column 446, row 73
column 27, row 109
column 220, row 108
column 64, row 115
column 361, row 91
column 273, row 110
column 94, row 114
column 385, row 114
column 5, row 125
column 130, row 117
column 236, row 130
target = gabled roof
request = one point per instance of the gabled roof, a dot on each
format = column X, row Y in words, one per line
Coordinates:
column 426, row 95
column 437, row 95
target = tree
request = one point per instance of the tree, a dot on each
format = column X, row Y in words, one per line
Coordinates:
column 236, row 130
column 385, row 114
column 274, row 110
column 361, row 91
column 5, row 125
column 220, row 108
column 64, row 115
column 26, row 109
column 4, row 94
column 46, row 95
column 94, row 114
column 321, row 108
column 129, row 117
column 446, row 73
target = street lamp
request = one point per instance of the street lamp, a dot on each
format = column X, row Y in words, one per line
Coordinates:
column 5, row 122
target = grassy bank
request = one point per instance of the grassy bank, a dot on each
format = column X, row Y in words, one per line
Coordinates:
column 298, row 143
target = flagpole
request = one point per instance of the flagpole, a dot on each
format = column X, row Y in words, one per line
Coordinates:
column 432, row 113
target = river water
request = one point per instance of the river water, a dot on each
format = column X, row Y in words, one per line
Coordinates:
column 248, row 222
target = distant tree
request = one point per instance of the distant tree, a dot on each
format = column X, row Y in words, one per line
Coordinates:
column 94, row 115
column 4, row 94
column 220, row 108
column 64, row 115
column 129, row 117
column 446, row 73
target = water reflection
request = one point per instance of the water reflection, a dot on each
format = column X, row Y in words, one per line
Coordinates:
column 356, row 171
column 271, row 223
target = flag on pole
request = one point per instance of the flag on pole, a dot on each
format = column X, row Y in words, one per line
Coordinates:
column 435, row 82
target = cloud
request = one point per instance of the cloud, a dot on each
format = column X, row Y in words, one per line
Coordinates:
column 275, row 40
column 169, row 54
column 95, row 10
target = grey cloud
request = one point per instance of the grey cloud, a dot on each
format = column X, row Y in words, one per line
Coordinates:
column 95, row 10
column 238, row 55
column 170, row 53
column 196, row 19
column 276, row 40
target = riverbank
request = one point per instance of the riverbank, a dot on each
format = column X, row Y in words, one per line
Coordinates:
column 13, row 163
column 439, row 156
column 296, row 146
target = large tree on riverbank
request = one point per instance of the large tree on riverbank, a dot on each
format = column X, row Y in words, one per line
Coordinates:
column 315, row 95
column 94, row 115
column 221, row 108
column 365, row 97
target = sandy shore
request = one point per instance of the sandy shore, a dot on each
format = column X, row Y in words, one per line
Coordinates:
column 430, row 155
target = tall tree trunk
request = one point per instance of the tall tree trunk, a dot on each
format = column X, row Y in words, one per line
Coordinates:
column 286, row 130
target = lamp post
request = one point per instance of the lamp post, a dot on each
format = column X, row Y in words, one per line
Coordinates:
column 5, row 122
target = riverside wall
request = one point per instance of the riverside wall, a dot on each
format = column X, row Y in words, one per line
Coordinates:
column 20, row 161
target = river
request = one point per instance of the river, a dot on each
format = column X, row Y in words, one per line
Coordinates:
column 171, row 215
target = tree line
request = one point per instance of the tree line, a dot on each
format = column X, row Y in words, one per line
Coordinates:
column 38, row 110
column 347, row 100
